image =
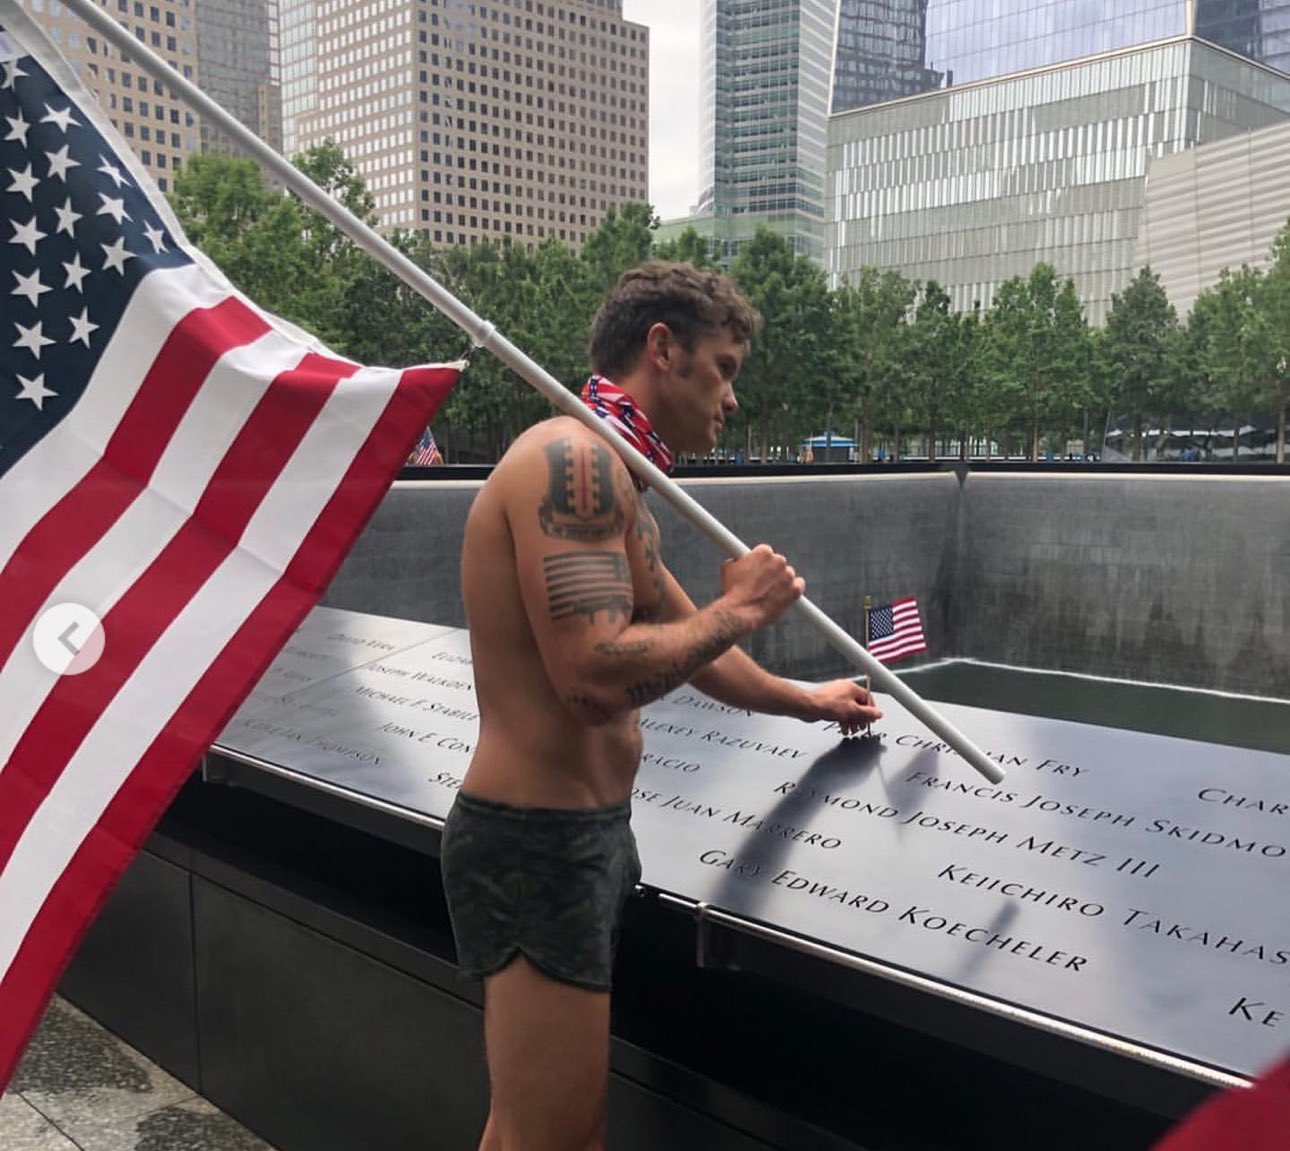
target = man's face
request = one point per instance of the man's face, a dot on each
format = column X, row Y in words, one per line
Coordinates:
column 701, row 391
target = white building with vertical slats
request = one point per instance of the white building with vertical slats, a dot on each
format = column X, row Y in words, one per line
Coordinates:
column 974, row 184
column 970, row 139
column 1217, row 206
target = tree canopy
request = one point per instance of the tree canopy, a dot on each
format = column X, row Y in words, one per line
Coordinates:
column 879, row 356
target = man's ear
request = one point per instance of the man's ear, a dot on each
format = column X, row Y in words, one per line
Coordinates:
column 660, row 346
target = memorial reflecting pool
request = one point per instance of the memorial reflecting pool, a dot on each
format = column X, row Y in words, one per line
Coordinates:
column 1238, row 721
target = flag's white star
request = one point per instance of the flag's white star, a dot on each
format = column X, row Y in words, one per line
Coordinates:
column 75, row 273
column 12, row 70
column 81, row 327
column 63, row 119
column 156, row 237
column 112, row 171
column 30, row 286
column 67, row 218
column 34, row 390
column 60, row 162
column 113, row 208
column 33, row 339
column 27, row 234
column 18, row 129
column 24, row 183
column 115, row 255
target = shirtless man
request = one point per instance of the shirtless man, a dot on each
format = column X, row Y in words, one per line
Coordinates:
column 575, row 623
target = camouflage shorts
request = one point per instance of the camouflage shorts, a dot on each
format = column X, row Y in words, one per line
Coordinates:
column 547, row 883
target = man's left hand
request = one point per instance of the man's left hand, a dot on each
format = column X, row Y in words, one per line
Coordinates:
column 845, row 701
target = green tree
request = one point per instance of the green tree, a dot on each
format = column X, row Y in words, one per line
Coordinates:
column 253, row 233
column 1222, row 321
column 786, row 381
column 934, row 365
column 624, row 239
column 500, row 283
column 1268, row 341
column 564, row 304
column 963, row 381
column 870, row 338
column 1036, row 356
column 341, row 312
column 296, row 264
column 1139, row 348
column 689, row 247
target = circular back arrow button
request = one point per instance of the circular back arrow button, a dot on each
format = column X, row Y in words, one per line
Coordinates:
column 68, row 639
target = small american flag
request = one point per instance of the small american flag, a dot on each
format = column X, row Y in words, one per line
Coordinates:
column 895, row 630
column 180, row 464
column 426, row 453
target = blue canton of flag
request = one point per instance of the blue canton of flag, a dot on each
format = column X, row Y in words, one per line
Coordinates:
column 81, row 234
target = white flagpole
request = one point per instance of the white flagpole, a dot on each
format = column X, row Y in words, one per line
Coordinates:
column 484, row 335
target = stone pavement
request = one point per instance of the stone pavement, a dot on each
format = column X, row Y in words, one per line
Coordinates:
column 79, row 1088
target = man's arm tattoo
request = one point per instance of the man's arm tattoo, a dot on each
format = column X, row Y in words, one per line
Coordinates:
column 581, row 502
column 588, row 583
column 655, row 687
column 636, row 647
column 647, row 531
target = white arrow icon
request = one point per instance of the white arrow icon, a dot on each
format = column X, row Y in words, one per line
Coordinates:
column 68, row 639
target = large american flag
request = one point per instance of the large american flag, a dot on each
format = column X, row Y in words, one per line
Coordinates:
column 895, row 630
column 183, row 465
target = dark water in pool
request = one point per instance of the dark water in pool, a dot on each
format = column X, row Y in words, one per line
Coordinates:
column 1262, row 724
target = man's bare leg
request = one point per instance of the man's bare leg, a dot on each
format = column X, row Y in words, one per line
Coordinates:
column 548, row 1062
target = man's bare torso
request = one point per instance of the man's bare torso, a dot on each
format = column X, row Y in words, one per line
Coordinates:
column 557, row 498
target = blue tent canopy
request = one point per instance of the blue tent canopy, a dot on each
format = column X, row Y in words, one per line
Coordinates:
column 826, row 441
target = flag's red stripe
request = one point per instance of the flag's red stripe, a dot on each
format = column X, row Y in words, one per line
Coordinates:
column 897, row 650
column 80, row 891
column 78, row 521
column 243, row 478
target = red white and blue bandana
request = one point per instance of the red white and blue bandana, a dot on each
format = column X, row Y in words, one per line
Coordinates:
column 611, row 403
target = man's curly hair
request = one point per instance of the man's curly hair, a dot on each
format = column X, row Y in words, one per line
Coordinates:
column 692, row 302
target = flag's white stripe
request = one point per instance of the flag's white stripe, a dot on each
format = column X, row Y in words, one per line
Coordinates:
column 56, row 464
column 182, row 654
column 107, row 571
column 886, row 650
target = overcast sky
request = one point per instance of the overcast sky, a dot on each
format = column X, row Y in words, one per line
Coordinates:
column 674, row 100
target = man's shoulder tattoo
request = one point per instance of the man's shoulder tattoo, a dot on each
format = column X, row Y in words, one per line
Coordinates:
column 582, row 501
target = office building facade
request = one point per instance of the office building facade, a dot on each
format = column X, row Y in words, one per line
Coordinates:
column 763, row 120
column 1217, row 206
column 236, row 44
column 161, row 128
column 977, row 181
column 526, row 119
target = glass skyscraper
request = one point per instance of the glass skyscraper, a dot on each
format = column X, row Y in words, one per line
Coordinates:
column 881, row 53
column 1259, row 29
column 1031, row 132
column 764, row 96
column 893, row 48
column 235, row 47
